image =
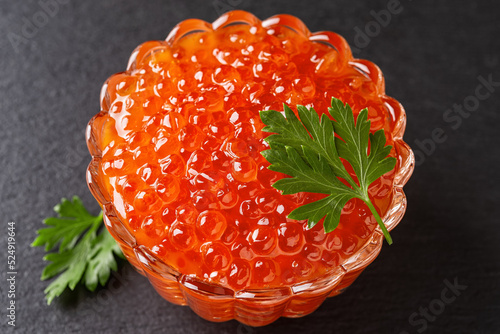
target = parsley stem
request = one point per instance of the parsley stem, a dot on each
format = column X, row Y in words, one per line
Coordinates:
column 379, row 221
column 100, row 218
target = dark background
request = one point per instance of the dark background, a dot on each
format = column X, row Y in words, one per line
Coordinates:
column 431, row 53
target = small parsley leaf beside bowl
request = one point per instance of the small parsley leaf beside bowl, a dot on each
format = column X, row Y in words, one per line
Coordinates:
column 86, row 254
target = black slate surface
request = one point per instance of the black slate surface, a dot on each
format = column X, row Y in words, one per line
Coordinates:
column 433, row 55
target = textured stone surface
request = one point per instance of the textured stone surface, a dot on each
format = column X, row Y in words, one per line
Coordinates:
column 431, row 53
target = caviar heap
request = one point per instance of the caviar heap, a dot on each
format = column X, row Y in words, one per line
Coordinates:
column 181, row 140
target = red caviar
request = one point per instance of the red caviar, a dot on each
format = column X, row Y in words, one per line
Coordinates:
column 181, row 137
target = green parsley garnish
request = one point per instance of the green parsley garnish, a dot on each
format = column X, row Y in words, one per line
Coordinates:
column 86, row 249
column 308, row 151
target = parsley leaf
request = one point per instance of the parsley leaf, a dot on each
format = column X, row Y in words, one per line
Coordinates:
column 85, row 254
column 308, row 151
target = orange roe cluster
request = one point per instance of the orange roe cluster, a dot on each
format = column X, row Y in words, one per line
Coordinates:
column 181, row 137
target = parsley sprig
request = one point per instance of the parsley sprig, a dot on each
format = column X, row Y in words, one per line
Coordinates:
column 309, row 152
column 86, row 250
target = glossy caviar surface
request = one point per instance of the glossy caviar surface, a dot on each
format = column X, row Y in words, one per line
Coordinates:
column 180, row 137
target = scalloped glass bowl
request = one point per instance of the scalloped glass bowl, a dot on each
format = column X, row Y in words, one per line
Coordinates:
column 256, row 307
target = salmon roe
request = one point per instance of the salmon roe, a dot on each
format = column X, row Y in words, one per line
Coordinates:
column 181, row 137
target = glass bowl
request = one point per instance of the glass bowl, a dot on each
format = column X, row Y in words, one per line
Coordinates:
column 254, row 307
